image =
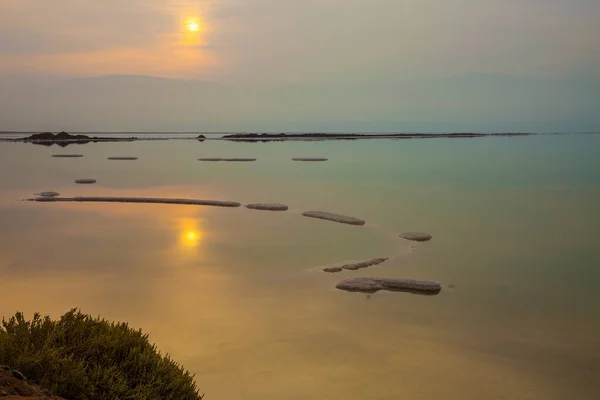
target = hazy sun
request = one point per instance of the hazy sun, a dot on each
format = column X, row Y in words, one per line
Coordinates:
column 193, row 27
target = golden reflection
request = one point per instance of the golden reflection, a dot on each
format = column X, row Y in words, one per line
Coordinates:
column 193, row 27
column 191, row 236
column 190, row 233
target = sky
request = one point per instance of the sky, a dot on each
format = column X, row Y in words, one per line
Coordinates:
column 300, row 53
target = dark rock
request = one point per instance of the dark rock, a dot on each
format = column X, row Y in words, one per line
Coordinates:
column 18, row 375
column 332, row 269
column 49, row 136
column 122, row 158
column 64, row 139
column 13, row 385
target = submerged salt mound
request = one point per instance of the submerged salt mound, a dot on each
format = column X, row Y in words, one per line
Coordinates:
column 122, row 158
column 334, row 217
column 227, row 159
column 416, row 236
column 85, row 181
column 47, row 194
column 332, row 269
column 364, row 264
column 309, row 159
column 42, row 199
column 151, row 200
column 157, row 200
column 267, row 206
column 371, row 285
column 67, row 155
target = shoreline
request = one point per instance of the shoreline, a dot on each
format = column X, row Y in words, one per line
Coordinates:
column 64, row 139
column 275, row 137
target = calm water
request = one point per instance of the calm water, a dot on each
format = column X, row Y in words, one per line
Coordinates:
column 238, row 297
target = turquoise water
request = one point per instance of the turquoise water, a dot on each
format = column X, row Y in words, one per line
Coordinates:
column 238, row 297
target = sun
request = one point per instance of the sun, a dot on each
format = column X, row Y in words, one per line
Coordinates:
column 193, row 26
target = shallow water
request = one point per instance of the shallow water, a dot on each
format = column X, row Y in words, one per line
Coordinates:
column 238, row 295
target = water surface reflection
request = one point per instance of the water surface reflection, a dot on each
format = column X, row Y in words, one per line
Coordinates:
column 237, row 295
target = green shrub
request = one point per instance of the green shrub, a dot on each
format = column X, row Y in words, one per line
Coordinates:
column 80, row 357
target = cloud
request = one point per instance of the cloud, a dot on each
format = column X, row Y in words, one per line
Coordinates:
column 383, row 40
column 68, row 26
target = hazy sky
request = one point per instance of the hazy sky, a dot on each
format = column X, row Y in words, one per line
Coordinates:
column 300, row 42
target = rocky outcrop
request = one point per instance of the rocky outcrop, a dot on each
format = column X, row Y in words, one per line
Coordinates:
column 15, row 386
column 85, row 181
column 64, row 139
column 58, row 137
column 305, row 159
column 122, row 158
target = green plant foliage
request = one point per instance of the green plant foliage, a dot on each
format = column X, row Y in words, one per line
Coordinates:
column 80, row 357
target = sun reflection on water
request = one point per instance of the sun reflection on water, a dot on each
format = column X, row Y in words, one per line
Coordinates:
column 190, row 234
